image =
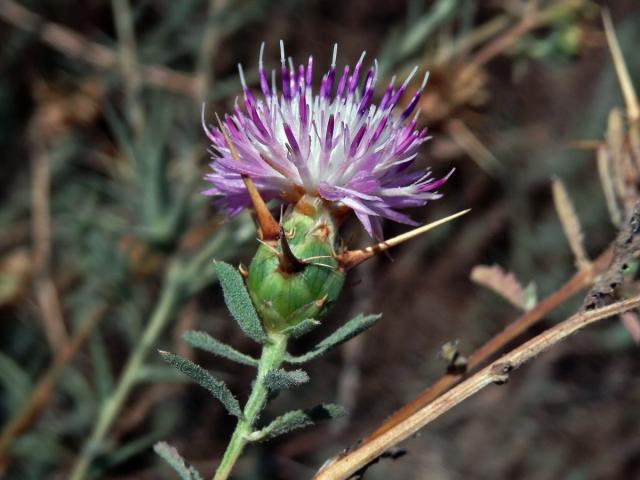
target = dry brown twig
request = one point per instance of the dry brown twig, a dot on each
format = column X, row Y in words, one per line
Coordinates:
column 626, row 84
column 497, row 372
column 74, row 45
column 607, row 269
column 44, row 287
column 461, row 134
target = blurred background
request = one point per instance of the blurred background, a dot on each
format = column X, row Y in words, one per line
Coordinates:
column 103, row 230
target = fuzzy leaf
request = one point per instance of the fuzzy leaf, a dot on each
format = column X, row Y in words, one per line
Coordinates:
column 504, row 284
column 203, row 378
column 298, row 419
column 159, row 373
column 280, row 379
column 239, row 303
column 346, row 332
column 302, row 328
column 206, row 342
column 570, row 223
column 170, row 455
column 605, row 170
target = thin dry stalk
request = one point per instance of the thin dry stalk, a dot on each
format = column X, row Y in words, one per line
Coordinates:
column 471, row 144
column 606, row 179
column 626, row 84
column 498, row 372
column 74, row 45
column 621, row 174
column 45, row 289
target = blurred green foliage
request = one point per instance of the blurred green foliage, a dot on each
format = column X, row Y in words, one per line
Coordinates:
column 128, row 224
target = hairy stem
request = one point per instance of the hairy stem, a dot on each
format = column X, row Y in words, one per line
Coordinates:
column 271, row 358
column 165, row 309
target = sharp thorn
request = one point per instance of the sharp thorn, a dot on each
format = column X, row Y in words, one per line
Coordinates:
column 289, row 263
column 243, row 271
column 267, row 224
column 353, row 258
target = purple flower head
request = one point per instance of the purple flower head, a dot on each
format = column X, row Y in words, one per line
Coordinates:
column 336, row 144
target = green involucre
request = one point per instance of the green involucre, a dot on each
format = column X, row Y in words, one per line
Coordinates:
column 283, row 299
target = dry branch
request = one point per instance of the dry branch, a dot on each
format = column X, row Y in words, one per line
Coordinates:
column 41, row 236
column 497, row 372
column 578, row 282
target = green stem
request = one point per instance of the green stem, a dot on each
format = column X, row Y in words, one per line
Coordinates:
column 271, row 358
column 166, row 307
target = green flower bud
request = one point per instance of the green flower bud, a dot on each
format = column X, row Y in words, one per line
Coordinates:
column 299, row 278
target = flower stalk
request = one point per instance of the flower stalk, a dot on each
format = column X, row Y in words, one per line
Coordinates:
column 271, row 358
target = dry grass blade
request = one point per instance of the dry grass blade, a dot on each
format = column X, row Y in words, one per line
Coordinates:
column 41, row 232
column 615, row 148
column 497, row 372
column 626, row 85
column 469, row 142
column 570, row 223
column 608, row 185
column 503, row 283
column 634, row 144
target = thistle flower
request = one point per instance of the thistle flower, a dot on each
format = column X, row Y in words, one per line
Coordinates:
column 336, row 144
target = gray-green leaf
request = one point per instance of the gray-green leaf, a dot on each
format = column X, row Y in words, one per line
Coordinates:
column 298, row 419
column 206, row 342
column 170, row 455
column 203, row 378
column 280, row 379
column 239, row 303
column 300, row 329
column 353, row 327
